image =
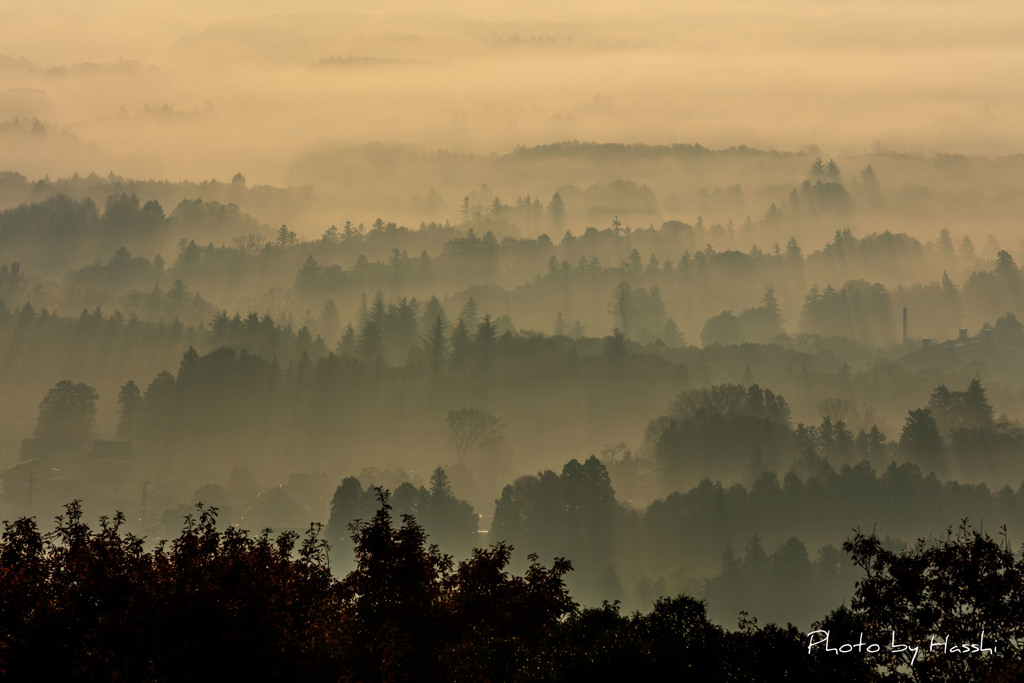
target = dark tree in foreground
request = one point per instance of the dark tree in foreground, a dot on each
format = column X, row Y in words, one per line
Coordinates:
column 414, row 616
column 77, row 604
column 941, row 597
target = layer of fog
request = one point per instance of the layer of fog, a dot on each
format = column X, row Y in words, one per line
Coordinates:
column 196, row 91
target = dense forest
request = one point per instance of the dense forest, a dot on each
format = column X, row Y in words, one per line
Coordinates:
column 670, row 415
column 511, row 343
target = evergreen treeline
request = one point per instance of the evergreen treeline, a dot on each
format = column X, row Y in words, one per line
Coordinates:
column 722, row 531
column 234, row 402
column 697, row 277
column 317, row 399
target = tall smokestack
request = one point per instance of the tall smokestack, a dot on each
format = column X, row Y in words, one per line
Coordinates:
column 904, row 324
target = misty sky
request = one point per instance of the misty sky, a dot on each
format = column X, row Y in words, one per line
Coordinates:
column 199, row 90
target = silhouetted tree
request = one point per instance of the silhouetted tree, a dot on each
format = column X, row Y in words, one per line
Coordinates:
column 943, row 596
column 622, row 307
column 436, row 344
column 68, row 411
column 921, row 439
column 286, row 237
column 724, row 328
column 556, row 211
column 470, row 427
column 469, row 313
column 129, row 399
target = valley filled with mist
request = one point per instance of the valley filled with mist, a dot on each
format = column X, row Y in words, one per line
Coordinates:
column 719, row 305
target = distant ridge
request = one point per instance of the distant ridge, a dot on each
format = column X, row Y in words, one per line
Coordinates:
column 601, row 149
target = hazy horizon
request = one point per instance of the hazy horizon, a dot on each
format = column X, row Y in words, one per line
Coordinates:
column 196, row 91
